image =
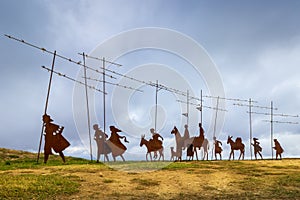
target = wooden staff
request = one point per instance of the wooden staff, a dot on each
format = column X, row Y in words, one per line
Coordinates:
column 46, row 105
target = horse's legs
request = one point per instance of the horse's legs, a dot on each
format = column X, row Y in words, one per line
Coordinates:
column 241, row 152
column 195, row 149
column 231, row 154
column 122, row 158
column 114, row 157
column 106, row 156
column 151, row 156
column 220, row 156
column 62, row 156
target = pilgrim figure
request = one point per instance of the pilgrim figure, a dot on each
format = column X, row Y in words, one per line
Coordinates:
column 278, row 148
column 115, row 144
column 53, row 138
column 100, row 137
column 257, row 148
column 186, row 134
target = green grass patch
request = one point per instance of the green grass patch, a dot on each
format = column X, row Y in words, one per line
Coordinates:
column 32, row 186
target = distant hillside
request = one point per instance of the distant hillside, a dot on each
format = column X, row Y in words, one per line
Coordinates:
column 9, row 154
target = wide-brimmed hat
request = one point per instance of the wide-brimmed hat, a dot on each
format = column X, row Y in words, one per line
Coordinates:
column 47, row 118
column 255, row 139
column 95, row 126
column 113, row 128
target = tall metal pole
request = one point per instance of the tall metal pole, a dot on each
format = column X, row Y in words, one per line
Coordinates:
column 187, row 107
column 250, row 124
column 104, row 106
column 87, row 106
column 156, row 91
column 46, row 105
column 215, row 126
column 201, row 106
column 272, row 128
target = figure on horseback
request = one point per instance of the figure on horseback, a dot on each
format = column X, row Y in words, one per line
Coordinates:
column 152, row 146
column 155, row 142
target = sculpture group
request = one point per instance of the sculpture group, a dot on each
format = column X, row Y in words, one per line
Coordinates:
column 113, row 145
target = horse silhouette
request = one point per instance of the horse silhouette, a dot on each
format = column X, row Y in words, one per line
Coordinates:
column 184, row 142
column 198, row 142
column 237, row 145
column 174, row 155
column 179, row 142
column 151, row 147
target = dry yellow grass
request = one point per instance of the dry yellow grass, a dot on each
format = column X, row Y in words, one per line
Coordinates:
column 266, row 179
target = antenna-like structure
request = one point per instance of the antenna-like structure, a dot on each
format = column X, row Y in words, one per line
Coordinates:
column 103, row 61
column 250, row 106
column 271, row 121
column 46, row 105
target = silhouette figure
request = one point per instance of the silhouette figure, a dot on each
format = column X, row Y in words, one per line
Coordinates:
column 155, row 142
column 100, row 137
column 186, row 132
column 115, row 144
column 218, row 148
column 53, row 138
column 190, row 152
column 257, row 148
column 237, row 145
column 278, row 148
column 179, row 143
column 198, row 142
column 173, row 154
column 152, row 146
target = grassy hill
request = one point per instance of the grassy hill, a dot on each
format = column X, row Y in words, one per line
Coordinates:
column 22, row 178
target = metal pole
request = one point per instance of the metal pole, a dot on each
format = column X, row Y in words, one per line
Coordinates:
column 201, row 106
column 46, row 105
column 250, row 125
column 87, row 106
column 272, row 128
column 104, row 102
column 156, row 91
column 187, row 107
column 215, row 126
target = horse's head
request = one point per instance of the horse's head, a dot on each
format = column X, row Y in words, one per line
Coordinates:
column 142, row 140
column 174, row 130
column 229, row 139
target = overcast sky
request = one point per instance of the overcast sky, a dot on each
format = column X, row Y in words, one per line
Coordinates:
column 254, row 44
